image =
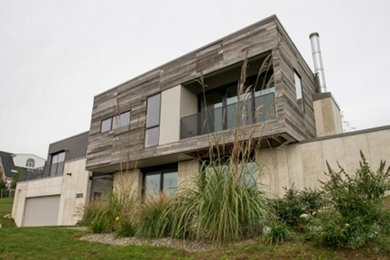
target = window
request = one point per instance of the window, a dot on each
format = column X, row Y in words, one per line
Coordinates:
column 111, row 123
column 160, row 179
column 30, row 163
column 152, row 132
column 121, row 120
column 106, row 125
column 256, row 103
column 57, row 164
column 298, row 86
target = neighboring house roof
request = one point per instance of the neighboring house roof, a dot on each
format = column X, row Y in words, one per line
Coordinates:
column 7, row 164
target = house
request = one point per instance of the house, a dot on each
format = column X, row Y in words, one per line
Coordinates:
column 148, row 134
column 150, row 131
column 58, row 194
column 24, row 164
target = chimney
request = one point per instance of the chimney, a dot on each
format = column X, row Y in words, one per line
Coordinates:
column 317, row 59
column 326, row 111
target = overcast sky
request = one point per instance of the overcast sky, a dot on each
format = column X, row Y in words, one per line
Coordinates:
column 55, row 56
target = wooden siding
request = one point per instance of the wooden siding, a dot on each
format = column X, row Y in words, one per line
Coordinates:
column 107, row 150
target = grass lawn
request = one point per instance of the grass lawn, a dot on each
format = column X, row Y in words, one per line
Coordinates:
column 6, row 208
column 61, row 243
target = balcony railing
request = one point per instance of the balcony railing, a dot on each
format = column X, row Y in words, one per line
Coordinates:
column 246, row 112
column 31, row 174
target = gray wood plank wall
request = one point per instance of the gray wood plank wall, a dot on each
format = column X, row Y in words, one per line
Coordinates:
column 124, row 144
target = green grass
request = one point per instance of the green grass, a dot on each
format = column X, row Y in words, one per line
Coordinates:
column 6, row 208
column 61, row 243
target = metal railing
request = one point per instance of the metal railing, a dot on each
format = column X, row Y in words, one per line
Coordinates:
column 245, row 112
column 31, row 174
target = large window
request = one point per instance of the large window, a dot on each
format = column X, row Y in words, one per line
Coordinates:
column 57, row 164
column 111, row 123
column 298, row 86
column 221, row 106
column 160, row 179
column 152, row 133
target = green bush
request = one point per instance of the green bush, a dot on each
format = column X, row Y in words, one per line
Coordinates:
column 297, row 206
column 277, row 233
column 355, row 215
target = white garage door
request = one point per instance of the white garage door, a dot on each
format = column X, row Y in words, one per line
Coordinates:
column 41, row 211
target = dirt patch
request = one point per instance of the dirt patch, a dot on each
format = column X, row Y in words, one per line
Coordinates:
column 189, row 246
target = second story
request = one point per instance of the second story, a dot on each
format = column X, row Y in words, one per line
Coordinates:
column 170, row 112
column 60, row 153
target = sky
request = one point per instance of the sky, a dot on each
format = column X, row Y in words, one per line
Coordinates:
column 55, row 56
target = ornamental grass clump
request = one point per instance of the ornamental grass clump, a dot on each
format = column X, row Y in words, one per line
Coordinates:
column 113, row 213
column 149, row 217
column 223, row 205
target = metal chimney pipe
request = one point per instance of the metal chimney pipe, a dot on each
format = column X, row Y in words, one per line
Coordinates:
column 317, row 58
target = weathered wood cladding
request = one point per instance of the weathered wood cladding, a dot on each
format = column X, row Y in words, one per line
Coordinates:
column 127, row 144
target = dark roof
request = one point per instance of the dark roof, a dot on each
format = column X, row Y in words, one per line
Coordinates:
column 8, row 164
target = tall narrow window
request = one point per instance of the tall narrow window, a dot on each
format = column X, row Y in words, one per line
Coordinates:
column 298, row 86
column 152, row 132
column 57, row 164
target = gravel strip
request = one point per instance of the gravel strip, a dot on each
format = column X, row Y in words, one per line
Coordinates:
column 190, row 246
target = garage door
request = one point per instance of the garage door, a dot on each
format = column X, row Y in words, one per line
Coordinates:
column 41, row 211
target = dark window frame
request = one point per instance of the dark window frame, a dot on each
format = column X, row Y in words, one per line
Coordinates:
column 223, row 90
column 112, row 118
column 57, row 164
column 153, row 126
column 158, row 170
column 301, row 100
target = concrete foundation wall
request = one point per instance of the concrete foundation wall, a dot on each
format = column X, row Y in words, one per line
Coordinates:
column 75, row 191
column 128, row 182
column 67, row 186
column 34, row 188
column 304, row 164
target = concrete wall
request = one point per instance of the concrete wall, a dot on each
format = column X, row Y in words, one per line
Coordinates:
column 77, row 183
column 304, row 164
column 67, row 186
column 176, row 103
column 170, row 115
column 34, row 188
column 327, row 115
column 186, row 171
column 128, row 182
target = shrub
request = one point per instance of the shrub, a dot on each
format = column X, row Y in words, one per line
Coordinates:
column 277, row 233
column 295, row 205
column 355, row 215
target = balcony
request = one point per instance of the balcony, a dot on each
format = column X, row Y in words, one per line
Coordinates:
column 250, row 111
